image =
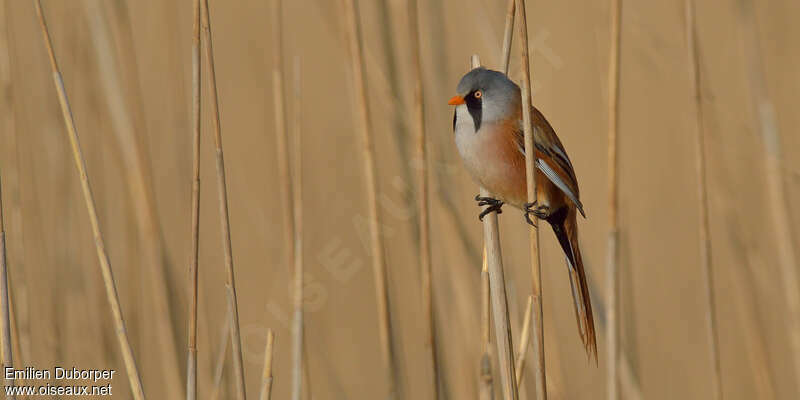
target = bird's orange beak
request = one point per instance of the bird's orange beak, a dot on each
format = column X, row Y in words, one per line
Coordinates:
column 456, row 100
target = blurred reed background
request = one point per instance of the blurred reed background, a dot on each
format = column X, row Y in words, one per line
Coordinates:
column 127, row 68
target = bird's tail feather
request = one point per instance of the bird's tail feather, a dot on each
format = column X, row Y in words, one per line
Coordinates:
column 565, row 227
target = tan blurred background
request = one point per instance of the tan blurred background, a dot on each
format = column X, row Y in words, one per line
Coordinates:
column 126, row 67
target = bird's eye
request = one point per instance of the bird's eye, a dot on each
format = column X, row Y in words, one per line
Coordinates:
column 477, row 94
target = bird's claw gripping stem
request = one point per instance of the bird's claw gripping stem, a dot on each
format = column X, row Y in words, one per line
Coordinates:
column 494, row 205
column 541, row 212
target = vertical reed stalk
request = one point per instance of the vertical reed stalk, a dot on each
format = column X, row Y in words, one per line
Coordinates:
column 18, row 302
column 530, row 171
column 524, row 338
column 508, row 34
column 612, row 269
column 498, row 296
column 5, row 320
column 297, row 328
column 139, row 180
column 230, row 282
column 704, row 233
column 191, row 361
column 222, row 351
column 105, row 263
column 266, row 377
column 353, row 28
column 748, row 313
column 486, row 389
column 281, row 133
column 764, row 111
column 424, row 220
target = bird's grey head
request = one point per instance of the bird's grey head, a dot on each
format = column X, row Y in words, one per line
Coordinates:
column 488, row 95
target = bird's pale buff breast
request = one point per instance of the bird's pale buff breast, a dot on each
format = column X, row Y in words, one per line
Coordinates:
column 491, row 157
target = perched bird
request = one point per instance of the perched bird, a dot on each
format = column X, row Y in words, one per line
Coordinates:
column 489, row 135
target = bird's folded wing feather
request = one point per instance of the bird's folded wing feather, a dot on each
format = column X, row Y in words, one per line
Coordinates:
column 551, row 158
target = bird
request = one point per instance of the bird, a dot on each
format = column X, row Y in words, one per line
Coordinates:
column 488, row 130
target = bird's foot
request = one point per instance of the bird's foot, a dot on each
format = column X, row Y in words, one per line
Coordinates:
column 541, row 212
column 494, row 205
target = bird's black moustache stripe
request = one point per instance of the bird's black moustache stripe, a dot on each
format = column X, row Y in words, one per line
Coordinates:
column 475, row 108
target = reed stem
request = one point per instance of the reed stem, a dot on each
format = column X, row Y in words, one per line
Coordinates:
column 105, row 263
column 612, row 269
column 191, row 362
column 266, row 377
column 704, row 233
column 298, row 326
column 524, row 340
column 222, row 351
column 530, row 171
column 508, row 34
column 353, row 30
column 110, row 41
column 5, row 320
column 486, row 389
column 230, row 282
column 764, row 112
column 424, row 213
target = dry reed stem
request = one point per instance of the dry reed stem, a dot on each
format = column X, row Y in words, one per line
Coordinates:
column 424, row 220
column 353, row 30
column 18, row 303
column 498, row 296
column 297, row 327
column 530, row 171
column 5, row 320
column 523, row 341
column 508, row 35
column 191, row 358
column 485, row 382
column 222, row 351
column 139, row 178
column 281, row 133
column 748, row 317
column 779, row 209
column 5, row 298
column 612, row 269
column 230, row 281
column 266, row 377
column 105, row 263
column 704, row 233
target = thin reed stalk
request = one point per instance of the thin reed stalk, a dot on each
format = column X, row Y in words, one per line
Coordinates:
column 353, row 31
column 222, row 351
column 530, row 171
column 747, row 308
column 764, row 111
column 105, row 263
column 524, row 339
column 422, row 179
column 297, row 327
column 281, row 133
column 191, row 358
column 266, row 377
column 612, row 269
column 18, row 302
column 508, row 34
column 230, row 282
column 112, row 78
column 498, row 296
column 486, row 389
column 704, row 233
column 5, row 320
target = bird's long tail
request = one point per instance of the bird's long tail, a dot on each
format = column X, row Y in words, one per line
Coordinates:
column 565, row 227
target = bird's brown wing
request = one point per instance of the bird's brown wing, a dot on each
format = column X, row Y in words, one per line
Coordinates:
column 552, row 159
